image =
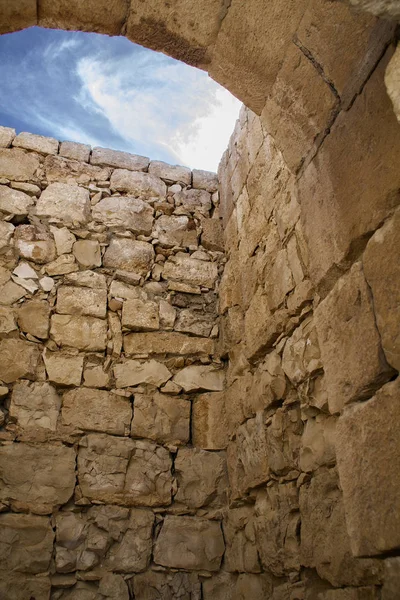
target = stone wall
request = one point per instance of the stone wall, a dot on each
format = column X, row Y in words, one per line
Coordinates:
column 109, row 270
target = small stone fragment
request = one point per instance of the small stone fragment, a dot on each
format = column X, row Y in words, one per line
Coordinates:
column 63, row 369
column 63, row 238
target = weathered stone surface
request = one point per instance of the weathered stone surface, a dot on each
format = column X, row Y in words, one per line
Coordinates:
column 391, row 578
column 318, row 443
column 87, row 279
column 209, row 423
column 166, row 586
column 62, row 170
column 96, row 410
column 194, row 322
column 205, row 180
column 36, row 478
column 6, row 232
column 133, row 552
column 87, row 253
column 18, row 165
column 325, row 544
column 163, row 418
column 64, row 203
column 202, row 478
column 7, row 320
column 189, row 543
column 140, row 185
column 129, row 255
column 212, row 235
column 382, row 8
column 81, row 301
column 87, row 17
column 19, row 359
column 201, row 377
column 34, row 318
column 345, row 323
column 37, row 143
column 382, row 276
column 171, row 172
column 63, row 265
column 368, row 451
column 7, row 134
column 240, row 539
column 13, row 202
column 133, row 372
column 192, row 271
column 392, row 78
column 75, row 151
column 128, row 213
column 10, row 293
column 140, row 315
column 124, row 471
column 34, row 244
column 84, row 333
column 63, row 369
column 175, row 231
column 25, row 587
column 35, row 406
column 26, row 543
column 119, row 160
column 301, row 355
column 194, row 200
column 166, row 343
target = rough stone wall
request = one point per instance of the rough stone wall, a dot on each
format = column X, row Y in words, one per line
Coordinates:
column 109, row 270
column 310, row 322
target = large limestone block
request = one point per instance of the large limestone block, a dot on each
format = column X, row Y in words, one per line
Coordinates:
column 87, row 279
column 34, row 244
column 194, row 322
column 134, row 551
column 62, row 170
column 64, row 369
column 175, row 231
column 140, row 315
column 194, row 200
column 87, row 253
column 239, row 533
column 325, row 544
column 190, row 270
column 36, row 478
column 81, row 301
column 277, row 521
column 7, row 134
column 133, row 372
column 382, row 8
column 35, row 406
column 10, row 293
column 84, row 333
column 201, row 378
column 202, row 478
column 185, row 31
column 368, row 451
column 205, row 180
column 129, row 255
column 140, row 185
column 356, row 191
column 171, row 173
column 75, row 151
column 19, row 359
column 13, row 202
column 24, row 587
column 345, row 323
column 96, row 410
column 189, row 543
column 63, row 203
column 118, row 159
column 126, row 213
column 166, row 343
column 153, row 584
column 124, row 471
column 100, row 17
column 34, row 318
column 37, row 143
column 392, row 81
column 162, row 418
column 248, row 65
column 209, row 422
column 212, row 235
column 18, row 165
column 381, row 263
column 26, row 543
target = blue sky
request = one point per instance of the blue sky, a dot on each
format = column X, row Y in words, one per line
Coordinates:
column 109, row 92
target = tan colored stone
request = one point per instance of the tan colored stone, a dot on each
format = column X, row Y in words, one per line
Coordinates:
column 171, row 173
column 88, row 279
column 25, row 587
column 119, row 160
column 28, row 188
column 96, row 377
column 175, row 231
column 7, row 320
column 166, row 343
column 129, row 255
column 127, row 213
column 13, row 202
column 19, row 359
column 154, row 584
column 391, row 578
column 124, row 471
column 167, row 315
column 381, row 8
column 34, row 318
column 189, row 270
column 100, row 18
column 345, row 323
column 87, row 253
column 81, row 301
column 10, row 293
column 209, row 422
column 194, row 200
column 202, row 478
column 140, row 185
column 212, row 235
column 202, row 377
column 27, row 543
column 194, row 322
column 64, row 203
column 35, row 406
column 162, row 418
column 6, row 233
column 189, row 543
column 7, row 134
column 35, row 477
column 318, row 443
column 62, row 368
column 392, row 81
column 18, row 165
column 34, row 244
column 37, row 143
column 239, row 534
column 75, row 151
column 84, row 333
column 133, row 372
column 301, row 356
column 205, row 180
column 96, row 410
column 140, row 315
column 367, row 446
column 61, row 170
column 63, row 265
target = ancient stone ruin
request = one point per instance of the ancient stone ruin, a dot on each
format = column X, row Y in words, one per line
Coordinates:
column 199, row 376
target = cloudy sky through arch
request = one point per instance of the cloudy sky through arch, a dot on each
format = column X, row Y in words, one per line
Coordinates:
column 109, row 92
